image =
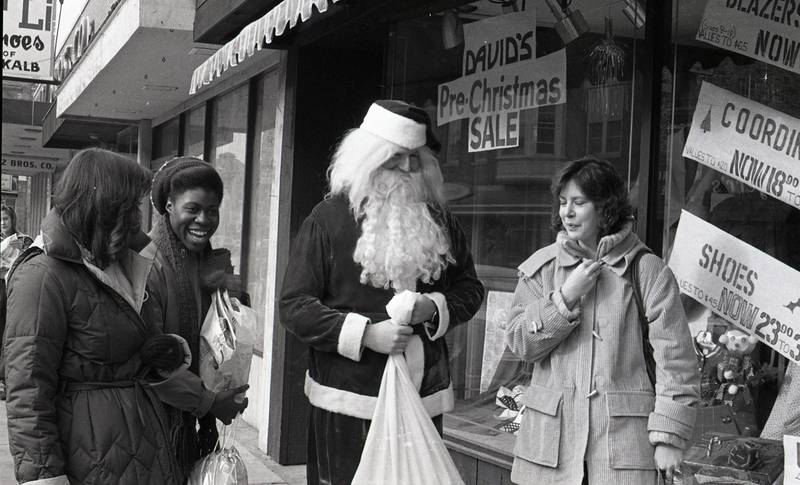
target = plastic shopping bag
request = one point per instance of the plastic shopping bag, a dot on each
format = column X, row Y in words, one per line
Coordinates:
column 226, row 343
column 403, row 446
column 224, row 466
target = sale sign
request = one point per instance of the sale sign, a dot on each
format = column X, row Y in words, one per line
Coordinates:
column 736, row 281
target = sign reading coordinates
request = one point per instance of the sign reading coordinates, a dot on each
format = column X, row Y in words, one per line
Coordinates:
column 748, row 141
column 745, row 286
column 768, row 31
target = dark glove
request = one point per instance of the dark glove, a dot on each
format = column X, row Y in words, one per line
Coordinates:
column 164, row 352
column 228, row 404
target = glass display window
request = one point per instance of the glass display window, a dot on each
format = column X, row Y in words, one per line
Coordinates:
column 165, row 140
column 261, row 255
column 730, row 159
column 227, row 155
column 500, row 191
column 194, row 132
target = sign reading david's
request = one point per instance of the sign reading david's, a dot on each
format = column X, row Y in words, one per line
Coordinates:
column 501, row 77
column 27, row 40
column 745, row 286
column 748, row 141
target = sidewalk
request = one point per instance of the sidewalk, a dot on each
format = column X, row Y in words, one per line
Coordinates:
column 261, row 469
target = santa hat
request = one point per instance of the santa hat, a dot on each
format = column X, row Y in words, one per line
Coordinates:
column 401, row 124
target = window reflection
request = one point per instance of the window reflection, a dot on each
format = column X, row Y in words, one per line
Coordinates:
column 228, row 148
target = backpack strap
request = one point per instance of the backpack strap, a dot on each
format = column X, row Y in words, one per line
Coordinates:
column 647, row 348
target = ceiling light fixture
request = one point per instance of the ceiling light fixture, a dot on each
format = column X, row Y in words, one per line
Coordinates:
column 452, row 29
column 635, row 13
column 570, row 25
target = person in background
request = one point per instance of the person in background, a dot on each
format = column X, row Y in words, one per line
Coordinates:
column 78, row 410
column 383, row 228
column 592, row 414
column 13, row 244
column 187, row 194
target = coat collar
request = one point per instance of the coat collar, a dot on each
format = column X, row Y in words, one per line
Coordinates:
column 58, row 243
column 616, row 250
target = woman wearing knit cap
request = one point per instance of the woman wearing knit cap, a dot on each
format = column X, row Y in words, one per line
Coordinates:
column 187, row 193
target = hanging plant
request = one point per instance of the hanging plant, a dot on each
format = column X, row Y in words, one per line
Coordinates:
column 607, row 58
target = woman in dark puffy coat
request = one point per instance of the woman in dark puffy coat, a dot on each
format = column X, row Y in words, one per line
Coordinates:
column 78, row 412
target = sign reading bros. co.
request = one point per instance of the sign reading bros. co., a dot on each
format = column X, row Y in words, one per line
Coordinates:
column 22, row 164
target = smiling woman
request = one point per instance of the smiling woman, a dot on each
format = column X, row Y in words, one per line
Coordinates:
column 194, row 217
column 187, row 193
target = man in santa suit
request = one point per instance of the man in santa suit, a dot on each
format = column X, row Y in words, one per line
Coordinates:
column 383, row 228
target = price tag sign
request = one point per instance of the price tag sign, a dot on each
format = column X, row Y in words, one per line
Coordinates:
column 738, row 282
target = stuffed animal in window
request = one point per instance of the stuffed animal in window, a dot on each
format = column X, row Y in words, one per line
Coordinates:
column 736, row 368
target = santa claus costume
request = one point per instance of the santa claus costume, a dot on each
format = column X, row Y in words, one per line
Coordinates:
column 383, row 228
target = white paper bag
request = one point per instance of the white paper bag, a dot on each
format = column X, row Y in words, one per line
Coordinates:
column 226, row 346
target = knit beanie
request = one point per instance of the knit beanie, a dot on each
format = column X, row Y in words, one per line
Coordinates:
column 163, row 179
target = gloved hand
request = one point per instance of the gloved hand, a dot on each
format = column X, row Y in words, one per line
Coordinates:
column 228, row 404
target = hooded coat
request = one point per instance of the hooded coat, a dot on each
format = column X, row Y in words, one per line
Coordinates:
column 590, row 402
column 77, row 411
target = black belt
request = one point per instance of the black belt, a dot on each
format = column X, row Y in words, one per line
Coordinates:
column 94, row 386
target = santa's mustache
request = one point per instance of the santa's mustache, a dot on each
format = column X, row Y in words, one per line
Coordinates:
column 395, row 184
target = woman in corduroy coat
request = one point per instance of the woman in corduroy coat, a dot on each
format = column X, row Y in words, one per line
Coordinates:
column 592, row 415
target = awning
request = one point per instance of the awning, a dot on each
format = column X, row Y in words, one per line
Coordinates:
column 252, row 38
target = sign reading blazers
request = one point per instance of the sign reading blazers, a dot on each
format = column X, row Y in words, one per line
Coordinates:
column 768, row 31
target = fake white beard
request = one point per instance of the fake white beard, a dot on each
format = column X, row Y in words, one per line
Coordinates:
column 400, row 242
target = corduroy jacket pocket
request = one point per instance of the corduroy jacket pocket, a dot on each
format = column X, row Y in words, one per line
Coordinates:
column 628, row 439
column 540, row 432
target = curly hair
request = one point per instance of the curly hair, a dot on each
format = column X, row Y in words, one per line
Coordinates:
column 98, row 200
column 601, row 184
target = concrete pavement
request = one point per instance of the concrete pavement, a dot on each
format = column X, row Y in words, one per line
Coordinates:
column 261, row 469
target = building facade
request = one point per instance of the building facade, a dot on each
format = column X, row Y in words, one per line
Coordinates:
column 275, row 84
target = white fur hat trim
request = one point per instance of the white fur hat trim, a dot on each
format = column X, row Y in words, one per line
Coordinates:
column 394, row 127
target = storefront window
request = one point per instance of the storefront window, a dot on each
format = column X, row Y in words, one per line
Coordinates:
column 263, row 172
column 228, row 148
column 731, row 156
column 194, row 132
column 165, row 139
column 498, row 164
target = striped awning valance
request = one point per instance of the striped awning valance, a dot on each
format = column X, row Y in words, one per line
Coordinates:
column 285, row 15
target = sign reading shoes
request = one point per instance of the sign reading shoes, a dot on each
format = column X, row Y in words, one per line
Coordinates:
column 748, row 141
column 738, row 282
